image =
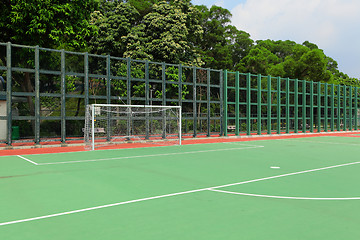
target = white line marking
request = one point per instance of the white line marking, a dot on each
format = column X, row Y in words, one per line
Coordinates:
column 27, row 160
column 172, row 194
column 274, row 167
column 282, row 197
column 152, row 155
column 124, row 149
column 99, row 207
column 241, row 143
column 293, row 140
column 287, row 174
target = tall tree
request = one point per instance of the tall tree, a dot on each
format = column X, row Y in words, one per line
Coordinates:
column 222, row 45
column 166, row 33
column 259, row 61
column 48, row 23
column 241, row 44
column 288, row 59
column 114, row 22
column 143, row 7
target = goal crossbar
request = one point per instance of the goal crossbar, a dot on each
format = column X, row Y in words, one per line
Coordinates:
column 132, row 123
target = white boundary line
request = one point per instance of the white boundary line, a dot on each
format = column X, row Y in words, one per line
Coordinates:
column 124, row 149
column 241, row 143
column 151, row 155
column 285, row 175
column 27, row 160
column 172, row 194
column 282, row 197
column 295, row 140
column 99, row 207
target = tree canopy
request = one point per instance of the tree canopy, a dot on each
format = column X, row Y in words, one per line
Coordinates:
column 47, row 23
column 172, row 31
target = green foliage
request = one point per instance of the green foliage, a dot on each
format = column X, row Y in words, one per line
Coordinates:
column 164, row 34
column 114, row 22
column 221, row 45
column 344, row 79
column 47, row 23
column 172, row 74
column 143, row 7
column 172, row 31
column 259, row 61
column 289, row 59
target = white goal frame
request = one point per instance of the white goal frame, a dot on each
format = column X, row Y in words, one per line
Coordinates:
column 91, row 108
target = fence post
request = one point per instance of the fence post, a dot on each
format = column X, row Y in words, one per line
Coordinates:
column 208, row 103
column 147, row 100
column 222, row 101
column 128, row 95
column 128, row 81
column 356, row 108
column 86, row 78
column 350, row 108
column 269, row 105
column 332, row 108
column 344, row 106
column 296, row 90
column 259, row 104
column 287, row 117
column 9, row 94
column 326, row 112
column 163, row 86
column 338, row 107
column 248, row 103
column 319, row 106
column 225, row 104
column 108, row 97
column 312, row 106
column 237, row 105
column 304, row 107
column 37, row 96
column 278, row 88
column 180, row 85
column 86, row 82
column 194, row 103
column 63, row 98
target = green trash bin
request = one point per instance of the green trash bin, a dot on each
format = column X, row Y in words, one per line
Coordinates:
column 15, row 133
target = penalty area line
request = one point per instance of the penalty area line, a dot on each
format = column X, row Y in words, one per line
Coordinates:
column 173, row 194
column 306, row 141
column 282, row 197
column 152, row 155
column 99, row 207
column 26, row 159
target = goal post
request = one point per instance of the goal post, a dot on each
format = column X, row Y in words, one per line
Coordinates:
column 109, row 124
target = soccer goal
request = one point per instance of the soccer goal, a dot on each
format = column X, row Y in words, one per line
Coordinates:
column 109, row 124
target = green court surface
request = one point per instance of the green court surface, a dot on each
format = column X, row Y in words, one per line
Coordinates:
column 303, row 188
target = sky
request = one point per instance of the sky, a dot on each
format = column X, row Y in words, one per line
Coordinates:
column 333, row 25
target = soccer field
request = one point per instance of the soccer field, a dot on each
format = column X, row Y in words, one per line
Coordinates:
column 302, row 188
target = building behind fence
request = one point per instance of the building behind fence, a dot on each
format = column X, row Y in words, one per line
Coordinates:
column 44, row 92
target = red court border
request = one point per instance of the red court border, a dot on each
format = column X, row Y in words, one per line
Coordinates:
column 29, row 148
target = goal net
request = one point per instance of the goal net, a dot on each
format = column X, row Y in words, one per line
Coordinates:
column 109, row 124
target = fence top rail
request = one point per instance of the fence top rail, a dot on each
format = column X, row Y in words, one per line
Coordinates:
column 21, row 46
column 251, row 75
column 75, row 53
column 103, row 56
column 124, row 105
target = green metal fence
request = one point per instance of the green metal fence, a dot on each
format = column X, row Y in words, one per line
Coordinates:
column 47, row 91
column 257, row 104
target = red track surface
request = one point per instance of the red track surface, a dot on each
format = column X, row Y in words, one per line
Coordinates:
column 30, row 148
